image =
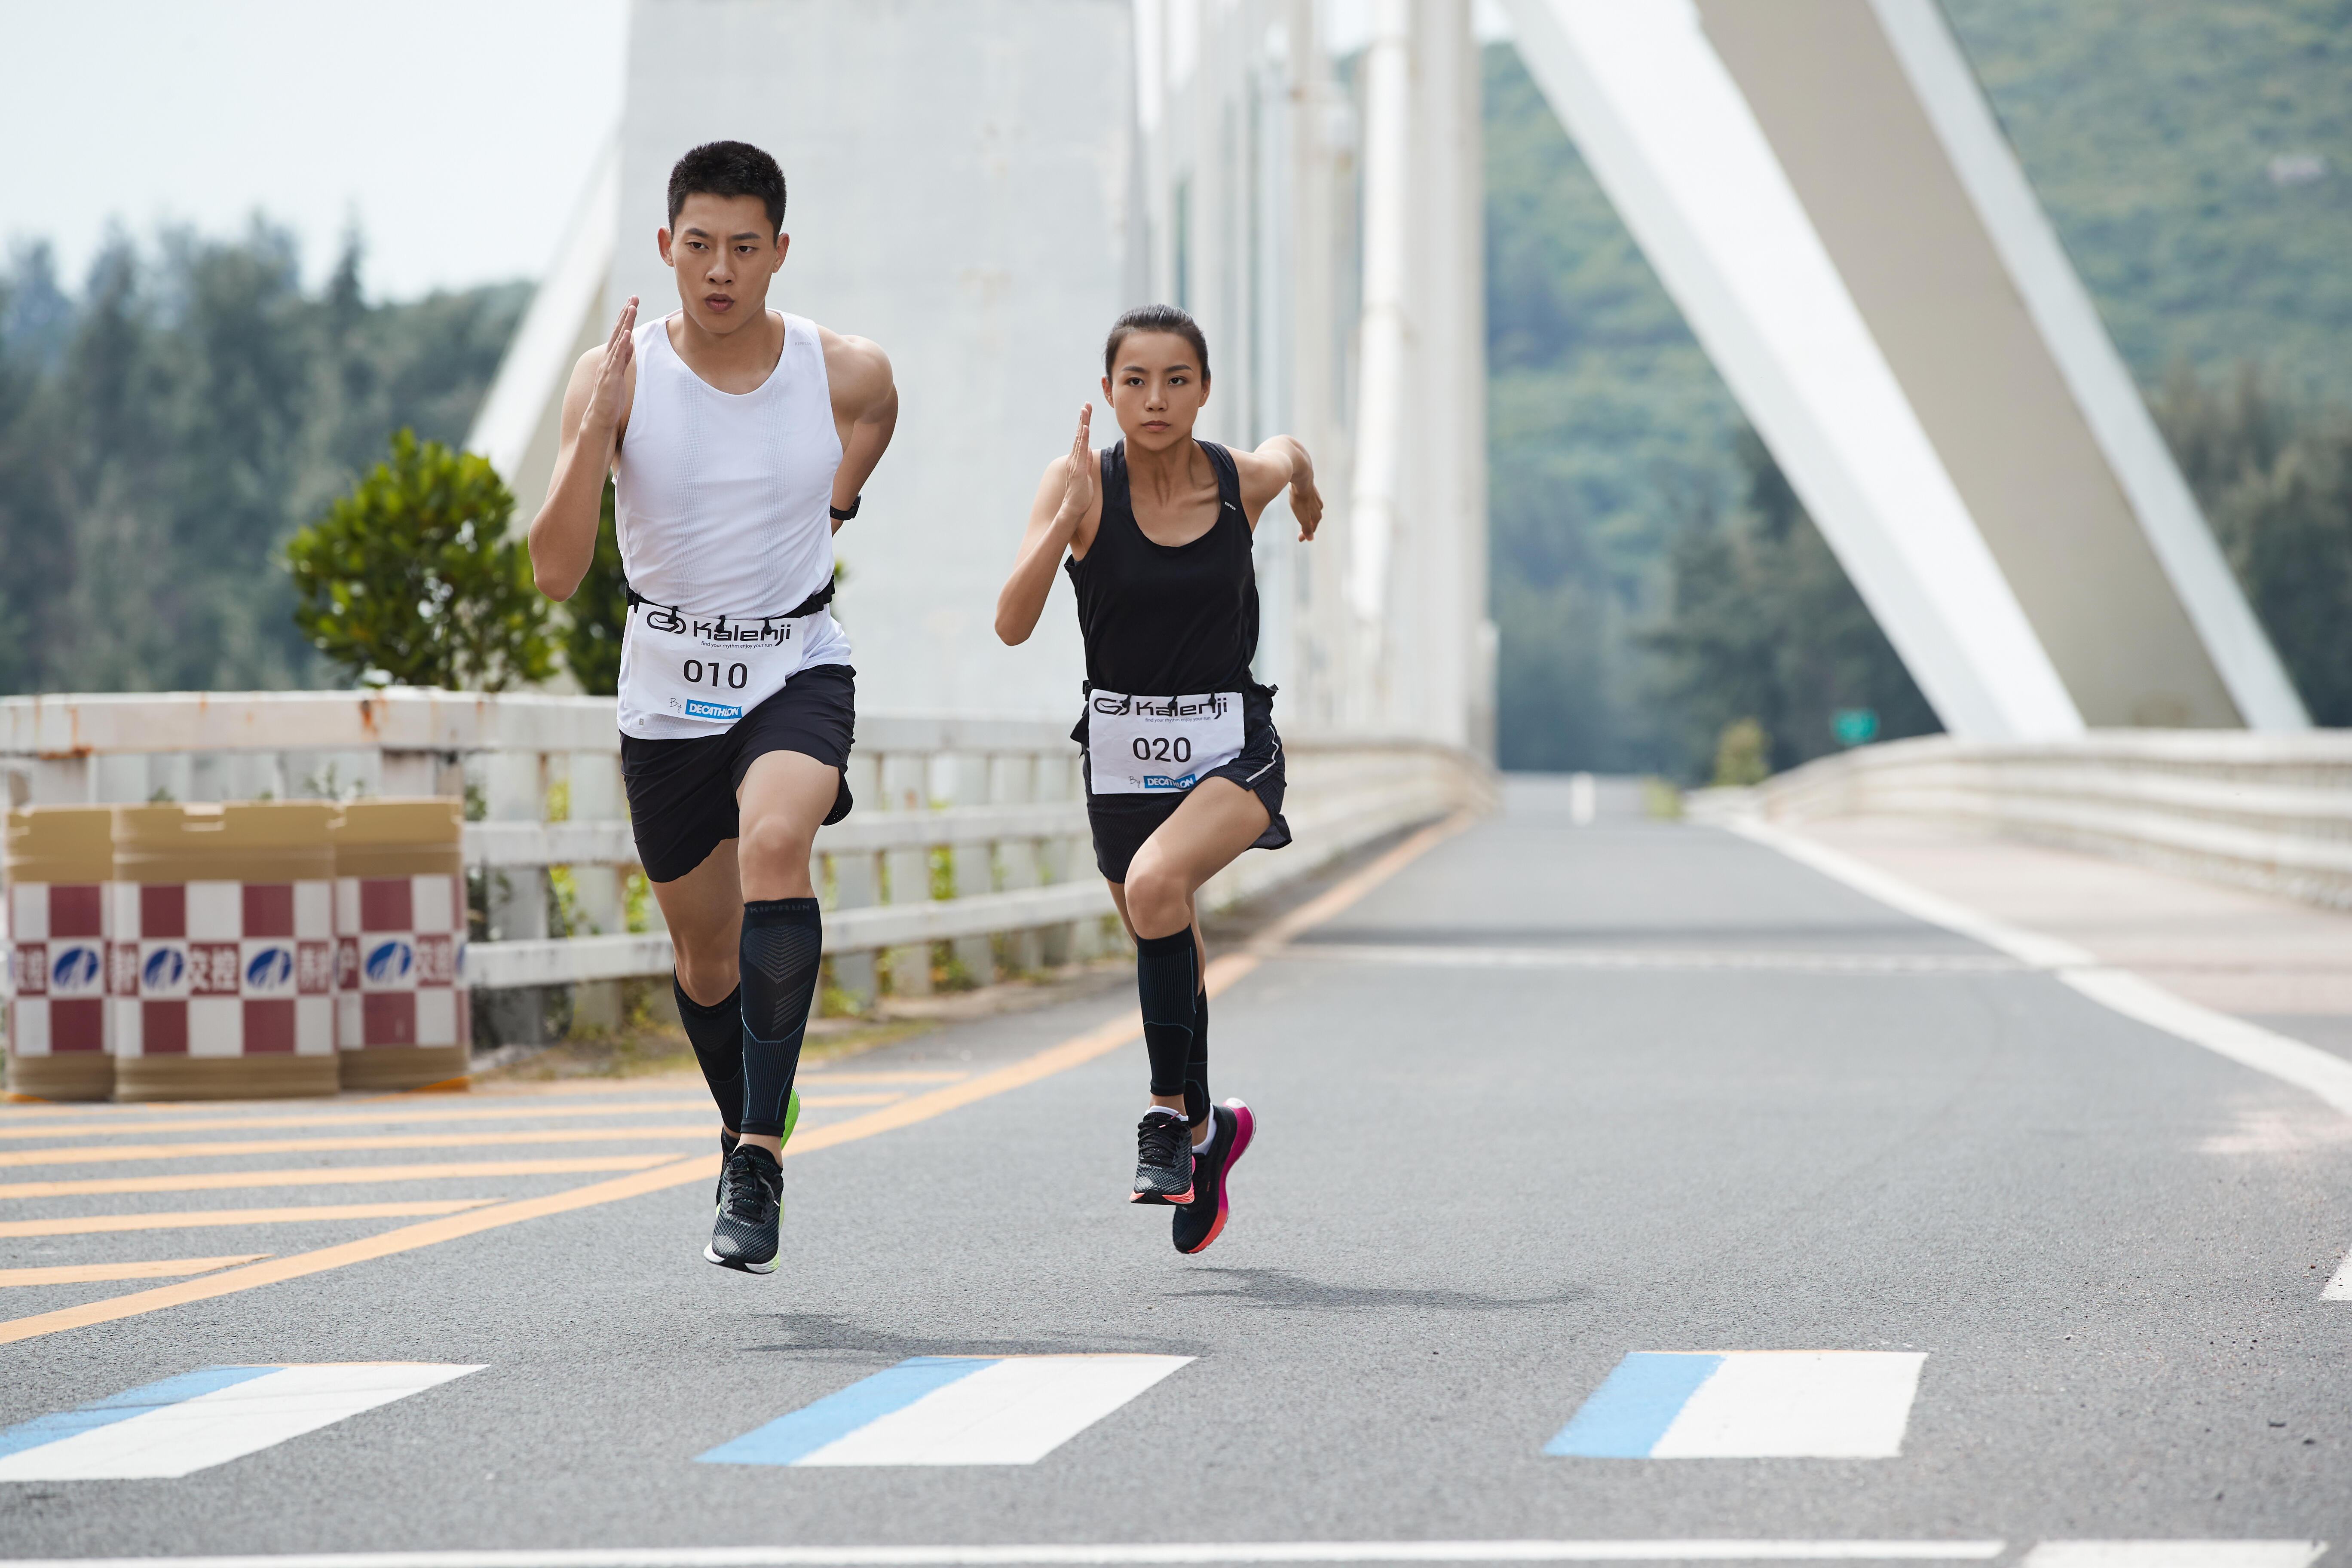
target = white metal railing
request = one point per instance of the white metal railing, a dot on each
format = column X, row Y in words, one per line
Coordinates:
column 970, row 832
column 2268, row 811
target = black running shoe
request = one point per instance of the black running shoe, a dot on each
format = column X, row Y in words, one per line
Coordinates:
column 751, row 1203
column 1198, row 1221
column 1163, row 1159
column 727, row 1142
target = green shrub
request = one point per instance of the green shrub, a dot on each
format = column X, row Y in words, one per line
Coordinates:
column 411, row 580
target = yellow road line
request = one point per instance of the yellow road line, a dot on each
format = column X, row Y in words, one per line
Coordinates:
column 192, row 1219
column 104, row 1129
column 325, row 1176
column 110, row 1153
column 90, row 1273
column 1070, row 1053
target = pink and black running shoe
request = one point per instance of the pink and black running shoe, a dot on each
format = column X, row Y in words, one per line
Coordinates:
column 1200, row 1222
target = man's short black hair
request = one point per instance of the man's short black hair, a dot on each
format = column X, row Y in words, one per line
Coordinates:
column 728, row 169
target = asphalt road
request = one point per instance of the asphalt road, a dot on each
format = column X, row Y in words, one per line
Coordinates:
column 1550, row 1096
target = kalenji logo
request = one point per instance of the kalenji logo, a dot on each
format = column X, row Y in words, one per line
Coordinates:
column 1212, row 705
column 165, row 967
column 389, row 962
column 76, row 969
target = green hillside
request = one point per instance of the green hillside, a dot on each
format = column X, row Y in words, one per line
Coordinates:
column 2150, row 132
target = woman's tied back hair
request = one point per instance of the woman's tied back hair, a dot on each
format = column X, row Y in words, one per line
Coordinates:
column 728, row 169
column 1157, row 318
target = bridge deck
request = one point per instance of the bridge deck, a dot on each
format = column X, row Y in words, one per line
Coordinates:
column 1561, row 1128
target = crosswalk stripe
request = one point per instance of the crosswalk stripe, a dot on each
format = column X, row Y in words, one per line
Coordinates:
column 1846, row 1404
column 329, row 1176
column 204, row 1418
column 195, row 1219
column 952, row 1410
column 110, row 1153
column 92, row 1273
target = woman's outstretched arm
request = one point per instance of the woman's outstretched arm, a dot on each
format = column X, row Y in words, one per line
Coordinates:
column 1281, row 461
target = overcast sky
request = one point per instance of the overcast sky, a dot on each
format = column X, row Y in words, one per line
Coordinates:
column 457, row 134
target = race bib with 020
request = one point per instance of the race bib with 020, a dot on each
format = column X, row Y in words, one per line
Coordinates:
column 1149, row 745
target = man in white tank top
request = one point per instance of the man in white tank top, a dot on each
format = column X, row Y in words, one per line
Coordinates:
column 738, row 439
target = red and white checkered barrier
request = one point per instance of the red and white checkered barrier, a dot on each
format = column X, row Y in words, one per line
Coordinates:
column 399, row 956
column 222, row 969
column 57, row 968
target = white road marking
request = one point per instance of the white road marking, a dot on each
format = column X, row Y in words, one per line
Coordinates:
column 1114, row 1554
column 2174, row 1554
column 1435, row 956
column 1826, row 1404
column 952, row 1410
column 179, row 1435
column 2306, row 1068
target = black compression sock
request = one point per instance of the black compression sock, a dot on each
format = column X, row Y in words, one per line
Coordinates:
column 782, row 938
column 1196, row 1065
column 1165, row 984
column 716, row 1033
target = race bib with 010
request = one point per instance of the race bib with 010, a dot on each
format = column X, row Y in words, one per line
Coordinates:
column 711, row 670
column 1147, row 746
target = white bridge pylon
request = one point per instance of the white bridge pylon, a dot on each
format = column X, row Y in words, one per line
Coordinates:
column 982, row 186
column 1824, row 192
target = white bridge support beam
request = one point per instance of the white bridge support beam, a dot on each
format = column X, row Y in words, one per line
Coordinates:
column 1674, row 144
column 1822, row 189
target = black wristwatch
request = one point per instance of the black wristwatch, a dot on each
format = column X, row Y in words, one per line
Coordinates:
column 841, row 516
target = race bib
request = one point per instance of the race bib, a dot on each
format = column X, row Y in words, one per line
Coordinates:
column 713, row 671
column 1151, row 745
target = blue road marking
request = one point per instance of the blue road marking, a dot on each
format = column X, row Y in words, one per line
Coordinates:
column 1631, row 1410
column 811, row 1427
column 42, row 1430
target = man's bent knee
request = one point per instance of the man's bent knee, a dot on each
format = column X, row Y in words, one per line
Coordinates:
column 775, row 848
column 1158, row 901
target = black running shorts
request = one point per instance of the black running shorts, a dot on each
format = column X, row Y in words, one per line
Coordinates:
column 1122, row 822
column 682, row 792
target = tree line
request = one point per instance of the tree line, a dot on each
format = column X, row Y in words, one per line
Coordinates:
column 167, row 426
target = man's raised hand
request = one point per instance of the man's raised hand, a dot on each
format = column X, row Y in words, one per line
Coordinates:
column 612, row 376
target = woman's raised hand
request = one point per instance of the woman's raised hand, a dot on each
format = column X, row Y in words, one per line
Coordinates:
column 1078, row 479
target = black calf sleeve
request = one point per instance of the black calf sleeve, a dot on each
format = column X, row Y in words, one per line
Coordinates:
column 716, row 1033
column 1196, row 1064
column 782, row 938
column 1166, row 984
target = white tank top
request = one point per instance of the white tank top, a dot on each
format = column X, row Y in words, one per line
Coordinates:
column 721, row 500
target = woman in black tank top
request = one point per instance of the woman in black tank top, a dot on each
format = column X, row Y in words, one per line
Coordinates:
column 1183, row 764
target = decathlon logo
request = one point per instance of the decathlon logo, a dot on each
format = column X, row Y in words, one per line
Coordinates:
column 1161, row 780
column 165, row 968
column 269, row 970
column 389, row 962
column 694, row 709
column 75, row 968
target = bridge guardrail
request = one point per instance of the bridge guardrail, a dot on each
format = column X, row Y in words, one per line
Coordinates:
column 2266, row 811
column 969, row 831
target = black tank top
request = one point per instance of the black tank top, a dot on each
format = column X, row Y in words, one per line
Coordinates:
column 1168, row 620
